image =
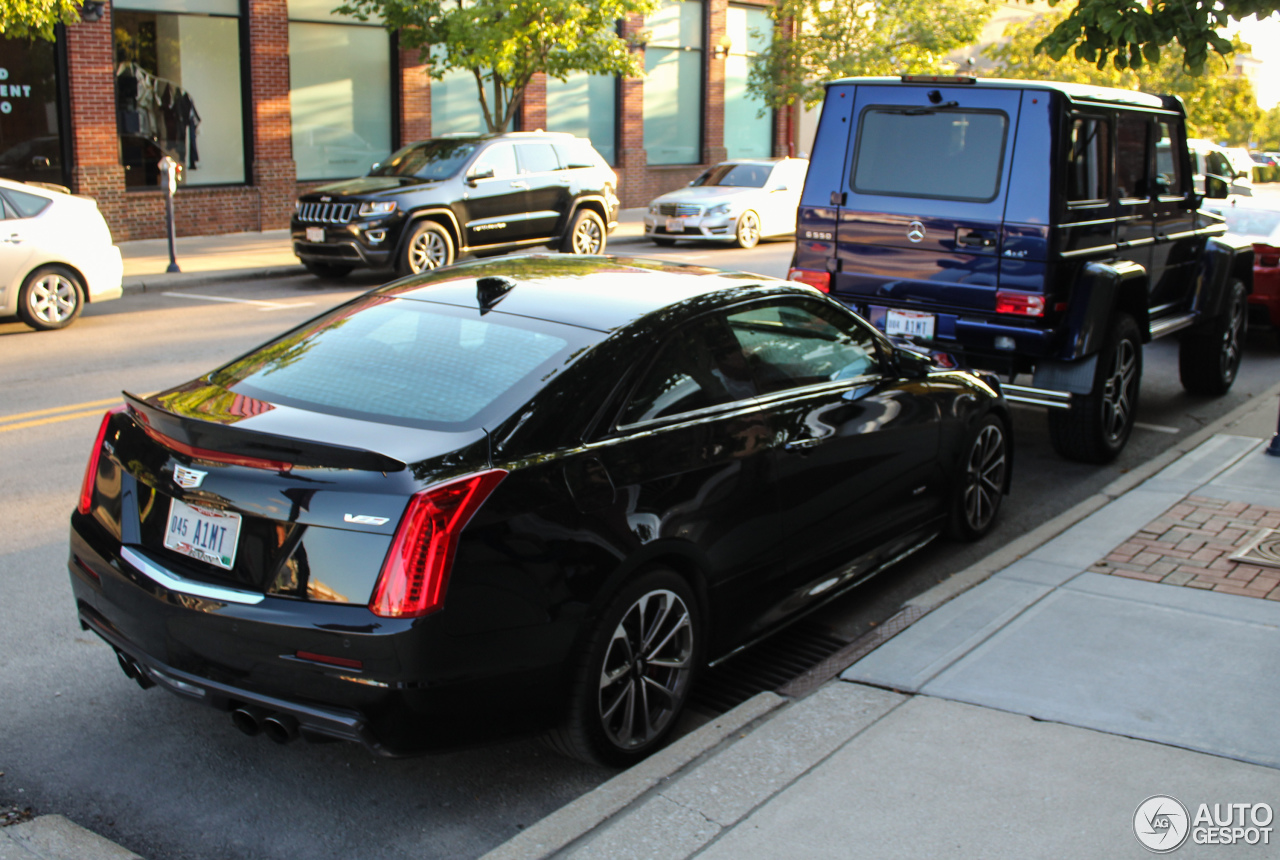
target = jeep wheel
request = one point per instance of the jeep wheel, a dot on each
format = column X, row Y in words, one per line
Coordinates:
column 586, row 234
column 1209, row 356
column 1097, row 426
column 427, row 246
column 747, row 234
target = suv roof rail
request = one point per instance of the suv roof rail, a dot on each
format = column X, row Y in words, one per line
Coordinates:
column 939, row 79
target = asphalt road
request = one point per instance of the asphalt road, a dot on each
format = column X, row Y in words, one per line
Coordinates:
column 169, row 779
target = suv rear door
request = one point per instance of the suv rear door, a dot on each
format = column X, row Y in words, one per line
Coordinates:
column 548, row 197
column 922, row 200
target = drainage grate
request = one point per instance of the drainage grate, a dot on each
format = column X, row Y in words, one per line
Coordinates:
column 1263, row 549
column 771, row 664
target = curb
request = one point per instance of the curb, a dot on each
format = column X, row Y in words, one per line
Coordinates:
column 56, row 837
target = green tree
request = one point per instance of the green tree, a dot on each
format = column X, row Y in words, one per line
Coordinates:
column 1267, row 131
column 1133, row 34
column 1220, row 106
column 35, row 19
column 504, row 43
column 817, row 40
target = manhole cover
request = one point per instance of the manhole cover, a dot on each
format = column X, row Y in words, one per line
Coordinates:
column 1263, row 549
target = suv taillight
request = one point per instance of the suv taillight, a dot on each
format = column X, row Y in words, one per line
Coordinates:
column 821, row 280
column 1022, row 304
column 414, row 576
column 91, row 471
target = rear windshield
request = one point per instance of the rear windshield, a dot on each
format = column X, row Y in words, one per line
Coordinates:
column 409, row 362
column 945, row 154
column 431, row 159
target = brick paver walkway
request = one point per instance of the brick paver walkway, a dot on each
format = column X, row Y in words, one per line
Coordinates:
column 1189, row 545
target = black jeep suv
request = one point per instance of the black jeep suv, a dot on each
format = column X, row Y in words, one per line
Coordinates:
column 1034, row 228
column 437, row 199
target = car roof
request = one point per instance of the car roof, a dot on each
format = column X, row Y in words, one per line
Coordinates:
column 1075, row 92
column 599, row 293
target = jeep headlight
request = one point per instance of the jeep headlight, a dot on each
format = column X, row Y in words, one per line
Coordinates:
column 377, row 207
column 722, row 209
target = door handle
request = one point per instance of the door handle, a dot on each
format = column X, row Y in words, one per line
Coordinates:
column 518, row 184
column 802, row 444
column 975, row 238
column 14, row 239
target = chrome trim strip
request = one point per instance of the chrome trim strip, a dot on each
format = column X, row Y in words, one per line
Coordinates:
column 1164, row 327
column 1137, row 243
column 1036, row 396
column 1083, row 252
column 182, row 585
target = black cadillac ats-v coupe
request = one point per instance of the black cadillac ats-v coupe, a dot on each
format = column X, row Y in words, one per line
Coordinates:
column 522, row 495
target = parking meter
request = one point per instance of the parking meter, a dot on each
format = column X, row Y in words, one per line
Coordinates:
column 169, row 180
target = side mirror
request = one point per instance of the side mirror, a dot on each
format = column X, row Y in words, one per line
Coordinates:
column 476, row 175
column 912, row 364
column 1192, row 201
column 778, row 187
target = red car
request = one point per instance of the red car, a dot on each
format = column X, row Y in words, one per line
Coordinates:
column 1258, row 219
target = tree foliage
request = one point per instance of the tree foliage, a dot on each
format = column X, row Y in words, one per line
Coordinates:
column 504, row 43
column 815, row 41
column 35, row 19
column 1220, row 106
column 1131, row 34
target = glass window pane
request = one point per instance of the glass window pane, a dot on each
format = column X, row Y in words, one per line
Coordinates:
column 428, row 159
column 951, row 154
column 26, row 205
column 322, row 10
column 200, row 7
column 672, row 106
column 1131, row 156
column 340, row 99
column 455, row 105
column 1168, row 164
column 1088, row 167
column 747, row 134
column 537, row 158
column 178, row 94
column 676, row 23
column 585, row 106
column 30, row 139
column 795, row 343
column 500, row 158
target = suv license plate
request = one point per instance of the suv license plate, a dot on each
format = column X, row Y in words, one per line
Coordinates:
column 909, row 323
column 205, row 534
column 675, row 225
column 315, row 234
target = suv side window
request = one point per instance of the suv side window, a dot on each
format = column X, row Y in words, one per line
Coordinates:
column 537, row 158
column 1132, row 131
column 699, row 366
column 940, row 154
column 1169, row 144
column 793, row 343
column 1089, row 160
column 501, row 157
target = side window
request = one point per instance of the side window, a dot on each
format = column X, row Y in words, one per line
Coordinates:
column 26, row 205
column 537, row 158
column 697, row 367
column 1216, row 164
column 501, row 158
column 1169, row 144
column 1088, row 161
column 794, row 343
column 1131, row 156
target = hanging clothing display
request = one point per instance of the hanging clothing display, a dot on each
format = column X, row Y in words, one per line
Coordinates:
column 157, row 109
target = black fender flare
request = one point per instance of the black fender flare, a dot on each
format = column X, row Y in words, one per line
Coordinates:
column 442, row 215
column 1098, row 291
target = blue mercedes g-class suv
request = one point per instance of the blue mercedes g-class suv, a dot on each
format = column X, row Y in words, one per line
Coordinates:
column 1032, row 228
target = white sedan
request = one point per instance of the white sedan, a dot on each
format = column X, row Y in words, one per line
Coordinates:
column 55, row 254
column 737, row 201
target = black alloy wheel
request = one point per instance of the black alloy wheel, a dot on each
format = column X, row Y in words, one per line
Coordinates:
column 1098, row 424
column 634, row 681
column 981, row 484
column 1209, row 357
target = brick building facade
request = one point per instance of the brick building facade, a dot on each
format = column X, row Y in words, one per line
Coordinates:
column 265, row 199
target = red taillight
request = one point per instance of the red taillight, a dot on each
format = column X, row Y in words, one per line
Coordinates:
column 91, row 471
column 215, row 456
column 1267, row 256
column 1022, row 304
column 344, row 662
column 414, row 576
column 821, row 280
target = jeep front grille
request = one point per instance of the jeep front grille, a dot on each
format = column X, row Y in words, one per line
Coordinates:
column 679, row 209
column 326, row 213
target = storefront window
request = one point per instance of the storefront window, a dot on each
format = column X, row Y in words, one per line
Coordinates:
column 455, row 105
column 30, row 139
column 178, row 90
column 673, row 83
column 585, row 105
column 747, row 134
column 340, row 92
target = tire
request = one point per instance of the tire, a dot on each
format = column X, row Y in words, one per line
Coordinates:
column 50, row 298
column 747, row 233
column 1097, row 426
column 980, row 484
column 586, row 234
column 617, row 714
column 428, row 246
column 1209, row 356
column 328, row 271
column 662, row 243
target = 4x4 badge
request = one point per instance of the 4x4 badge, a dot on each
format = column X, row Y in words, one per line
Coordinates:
column 188, row 479
column 915, row 231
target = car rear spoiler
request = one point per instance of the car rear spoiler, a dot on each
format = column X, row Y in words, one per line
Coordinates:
column 214, row 438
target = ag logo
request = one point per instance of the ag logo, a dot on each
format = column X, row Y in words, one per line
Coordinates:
column 188, row 479
column 915, row 231
column 1161, row 824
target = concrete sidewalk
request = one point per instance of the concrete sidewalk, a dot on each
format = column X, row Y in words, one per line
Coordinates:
column 236, row 256
column 1027, row 716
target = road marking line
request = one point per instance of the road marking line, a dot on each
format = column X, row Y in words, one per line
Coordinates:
column 283, row 307
column 264, row 304
column 1157, row 428
column 40, row 412
column 38, row 422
